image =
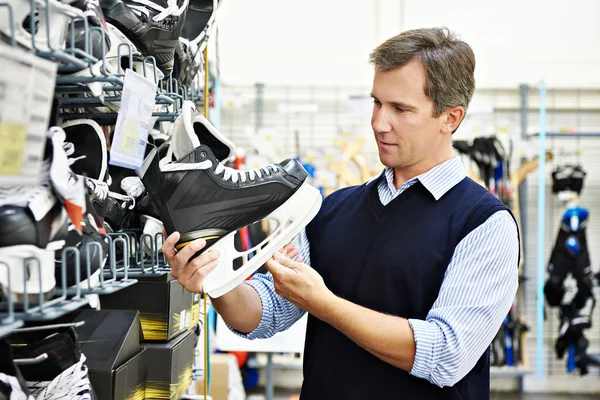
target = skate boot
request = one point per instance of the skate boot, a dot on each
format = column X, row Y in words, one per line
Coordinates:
column 200, row 198
column 94, row 254
column 154, row 26
column 191, row 129
column 88, row 154
column 40, row 34
column 33, row 225
column 95, row 19
column 200, row 14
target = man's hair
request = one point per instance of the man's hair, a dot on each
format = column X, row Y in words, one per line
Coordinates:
column 449, row 64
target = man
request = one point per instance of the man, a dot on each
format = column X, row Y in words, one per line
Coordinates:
column 412, row 273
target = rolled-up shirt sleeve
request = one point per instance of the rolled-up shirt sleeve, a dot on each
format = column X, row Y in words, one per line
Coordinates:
column 477, row 293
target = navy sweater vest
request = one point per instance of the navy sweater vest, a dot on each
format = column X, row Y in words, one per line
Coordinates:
column 391, row 259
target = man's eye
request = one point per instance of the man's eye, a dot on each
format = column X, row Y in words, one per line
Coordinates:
column 400, row 109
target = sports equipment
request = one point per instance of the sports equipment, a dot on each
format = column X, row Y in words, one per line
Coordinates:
column 88, row 155
column 154, row 26
column 33, row 224
column 199, row 197
column 60, row 16
column 191, row 129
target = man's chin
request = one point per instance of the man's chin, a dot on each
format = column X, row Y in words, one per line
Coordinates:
column 388, row 162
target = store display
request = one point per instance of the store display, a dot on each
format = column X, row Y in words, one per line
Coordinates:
column 89, row 308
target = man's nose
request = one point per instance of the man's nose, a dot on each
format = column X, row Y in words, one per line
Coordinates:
column 380, row 121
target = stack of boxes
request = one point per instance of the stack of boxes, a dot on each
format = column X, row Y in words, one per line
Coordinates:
column 141, row 344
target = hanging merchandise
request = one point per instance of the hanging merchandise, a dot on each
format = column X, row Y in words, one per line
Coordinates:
column 570, row 256
column 493, row 164
column 568, row 178
column 572, row 341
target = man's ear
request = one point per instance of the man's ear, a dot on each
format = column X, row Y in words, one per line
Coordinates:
column 452, row 119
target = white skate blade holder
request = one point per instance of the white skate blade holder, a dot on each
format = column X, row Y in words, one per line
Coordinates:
column 292, row 216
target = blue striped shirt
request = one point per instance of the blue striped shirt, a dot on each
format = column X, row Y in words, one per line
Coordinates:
column 477, row 292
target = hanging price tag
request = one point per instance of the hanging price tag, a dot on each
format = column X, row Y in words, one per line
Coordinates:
column 131, row 130
column 26, row 90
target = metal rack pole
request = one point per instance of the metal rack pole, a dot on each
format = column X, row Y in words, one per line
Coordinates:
column 541, row 232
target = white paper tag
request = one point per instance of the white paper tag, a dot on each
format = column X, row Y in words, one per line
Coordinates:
column 131, row 130
column 181, row 320
column 188, row 319
column 26, row 90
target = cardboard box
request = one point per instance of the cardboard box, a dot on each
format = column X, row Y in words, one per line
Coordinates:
column 220, row 366
column 169, row 367
column 166, row 308
column 130, row 379
column 110, row 340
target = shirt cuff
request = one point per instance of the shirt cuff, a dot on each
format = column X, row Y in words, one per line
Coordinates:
column 427, row 337
column 261, row 331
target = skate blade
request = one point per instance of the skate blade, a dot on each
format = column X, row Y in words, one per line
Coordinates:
column 292, row 217
column 14, row 257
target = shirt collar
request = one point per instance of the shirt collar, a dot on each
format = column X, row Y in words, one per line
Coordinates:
column 438, row 180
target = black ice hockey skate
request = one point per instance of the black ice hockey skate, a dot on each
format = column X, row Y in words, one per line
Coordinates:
column 200, row 198
column 153, row 26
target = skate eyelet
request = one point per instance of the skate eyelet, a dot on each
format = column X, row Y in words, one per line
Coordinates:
column 203, row 154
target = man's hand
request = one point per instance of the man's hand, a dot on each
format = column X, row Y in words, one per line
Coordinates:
column 189, row 274
column 300, row 284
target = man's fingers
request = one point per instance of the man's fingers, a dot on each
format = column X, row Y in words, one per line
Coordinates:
column 189, row 250
column 292, row 253
column 285, row 261
column 168, row 247
column 290, row 246
column 275, row 268
column 202, row 270
column 206, row 258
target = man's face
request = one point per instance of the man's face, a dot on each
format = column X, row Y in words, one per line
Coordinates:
column 405, row 131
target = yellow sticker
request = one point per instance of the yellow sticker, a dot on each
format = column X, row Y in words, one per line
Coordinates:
column 130, row 133
column 13, row 136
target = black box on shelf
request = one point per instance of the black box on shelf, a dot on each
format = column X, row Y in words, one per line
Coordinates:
column 169, row 366
column 110, row 341
column 166, row 308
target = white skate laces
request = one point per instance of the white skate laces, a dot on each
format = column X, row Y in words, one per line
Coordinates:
column 100, row 188
column 133, row 186
column 69, row 149
column 172, row 9
column 234, row 175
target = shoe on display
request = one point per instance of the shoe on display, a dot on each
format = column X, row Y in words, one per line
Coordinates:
column 200, row 198
column 191, row 130
column 185, row 68
column 95, row 19
column 86, row 148
column 153, row 25
column 63, row 374
column 33, row 225
column 199, row 15
column 93, row 231
column 25, row 30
